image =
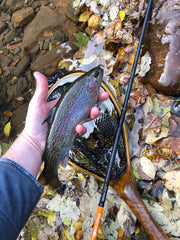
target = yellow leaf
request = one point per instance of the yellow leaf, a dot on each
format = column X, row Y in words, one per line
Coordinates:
column 156, row 134
column 51, row 218
column 122, row 15
column 89, row 60
column 120, row 233
column 77, row 225
column 7, row 129
column 84, row 16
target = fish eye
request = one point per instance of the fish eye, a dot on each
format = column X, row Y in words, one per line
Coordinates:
column 96, row 73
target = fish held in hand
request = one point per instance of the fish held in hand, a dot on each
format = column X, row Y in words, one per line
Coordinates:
column 72, row 108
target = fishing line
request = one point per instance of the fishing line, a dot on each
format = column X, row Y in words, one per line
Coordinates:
column 111, row 163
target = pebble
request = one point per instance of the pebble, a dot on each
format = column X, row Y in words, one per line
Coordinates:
column 2, row 26
column 10, row 36
column 22, row 17
column 22, row 66
column 22, row 83
column 5, row 61
column 14, row 4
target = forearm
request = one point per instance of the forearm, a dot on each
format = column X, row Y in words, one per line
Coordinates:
column 25, row 152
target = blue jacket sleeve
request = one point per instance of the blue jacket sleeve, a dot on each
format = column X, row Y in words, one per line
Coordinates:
column 19, row 194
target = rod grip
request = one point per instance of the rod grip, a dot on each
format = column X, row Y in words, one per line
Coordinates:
column 97, row 223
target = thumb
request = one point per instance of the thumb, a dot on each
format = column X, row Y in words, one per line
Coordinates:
column 41, row 90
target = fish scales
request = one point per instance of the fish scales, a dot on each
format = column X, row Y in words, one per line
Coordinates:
column 73, row 107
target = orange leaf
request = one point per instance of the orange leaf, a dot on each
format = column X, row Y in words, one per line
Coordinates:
column 8, row 113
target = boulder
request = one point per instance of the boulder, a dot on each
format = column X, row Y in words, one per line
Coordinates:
column 163, row 43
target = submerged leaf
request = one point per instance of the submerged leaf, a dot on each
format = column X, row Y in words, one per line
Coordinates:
column 7, row 129
column 148, row 106
column 82, row 39
column 8, row 113
column 165, row 119
column 156, row 134
column 171, row 180
column 136, row 175
column 5, row 147
column 159, row 109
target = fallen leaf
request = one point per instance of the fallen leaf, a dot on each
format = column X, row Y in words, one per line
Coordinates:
column 7, row 129
column 122, row 15
column 165, row 119
column 156, row 134
column 78, row 225
column 19, row 103
column 4, row 147
column 8, row 113
column 148, row 167
column 148, row 106
column 84, row 16
column 89, row 60
column 79, row 234
column 93, row 21
column 171, row 180
column 82, row 39
column 159, row 109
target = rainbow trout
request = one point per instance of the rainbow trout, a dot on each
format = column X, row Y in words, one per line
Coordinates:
column 72, row 108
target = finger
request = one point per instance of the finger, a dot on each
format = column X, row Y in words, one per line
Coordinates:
column 103, row 96
column 80, row 129
column 41, row 91
column 94, row 112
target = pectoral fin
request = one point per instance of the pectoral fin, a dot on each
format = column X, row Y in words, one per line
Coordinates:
column 50, row 116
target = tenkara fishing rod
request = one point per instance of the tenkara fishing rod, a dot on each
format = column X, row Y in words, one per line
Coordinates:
column 111, row 163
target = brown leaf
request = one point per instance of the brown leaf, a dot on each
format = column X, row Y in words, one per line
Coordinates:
column 8, row 113
column 137, row 98
column 79, row 234
column 170, row 147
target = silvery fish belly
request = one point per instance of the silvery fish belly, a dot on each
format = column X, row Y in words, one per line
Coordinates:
column 72, row 108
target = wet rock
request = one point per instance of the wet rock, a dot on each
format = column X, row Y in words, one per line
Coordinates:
column 18, row 119
column 48, row 62
column 163, row 43
column 46, row 44
column 22, row 66
column 22, row 84
column 59, row 36
column 2, row 96
column 11, row 92
column 10, row 36
column 1, row 44
column 5, row 61
column 22, row 17
column 45, row 20
column 70, row 13
column 14, row 4
column 36, row 4
column 2, row 26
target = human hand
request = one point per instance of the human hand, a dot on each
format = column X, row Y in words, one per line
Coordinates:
column 39, row 109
